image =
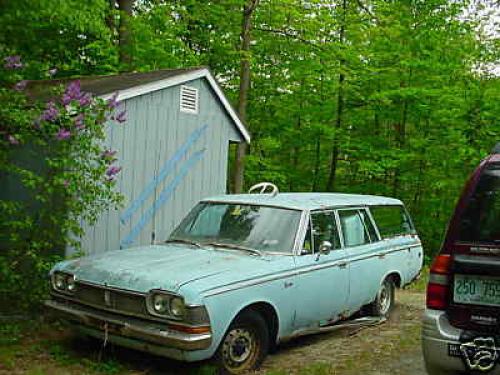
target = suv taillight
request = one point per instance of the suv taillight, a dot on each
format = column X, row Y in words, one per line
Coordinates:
column 437, row 289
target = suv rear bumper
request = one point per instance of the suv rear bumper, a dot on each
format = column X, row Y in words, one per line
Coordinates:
column 437, row 334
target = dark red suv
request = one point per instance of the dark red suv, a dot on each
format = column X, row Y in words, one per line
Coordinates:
column 461, row 325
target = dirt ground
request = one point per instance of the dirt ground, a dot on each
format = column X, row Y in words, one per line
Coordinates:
column 391, row 348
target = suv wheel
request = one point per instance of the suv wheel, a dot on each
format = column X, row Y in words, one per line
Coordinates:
column 245, row 344
column 384, row 301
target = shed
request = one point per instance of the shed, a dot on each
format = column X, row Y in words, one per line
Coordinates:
column 173, row 150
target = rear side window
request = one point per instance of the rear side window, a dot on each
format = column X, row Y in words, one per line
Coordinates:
column 481, row 220
column 392, row 221
column 353, row 228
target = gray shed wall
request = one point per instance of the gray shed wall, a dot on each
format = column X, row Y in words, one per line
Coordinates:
column 154, row 133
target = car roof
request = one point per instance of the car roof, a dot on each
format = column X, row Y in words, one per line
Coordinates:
column 306, row 201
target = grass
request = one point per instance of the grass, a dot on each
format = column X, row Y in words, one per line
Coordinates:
column 420, row 285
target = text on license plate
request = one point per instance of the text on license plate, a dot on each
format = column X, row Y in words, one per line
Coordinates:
column 477, row 290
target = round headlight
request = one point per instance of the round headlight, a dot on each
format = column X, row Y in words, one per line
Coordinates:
column 177, row 306
column 59, row 281
column 160, row 303
column 70, row 284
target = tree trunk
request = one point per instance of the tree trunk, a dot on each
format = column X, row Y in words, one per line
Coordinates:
column 110, row 19
column 125, row 7
column 340, row 106
column 239, row 164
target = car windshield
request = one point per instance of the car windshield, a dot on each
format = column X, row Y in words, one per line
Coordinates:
column 480, row 222
column 240, row 227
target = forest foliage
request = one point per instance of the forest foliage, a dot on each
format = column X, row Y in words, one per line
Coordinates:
column 396, row 98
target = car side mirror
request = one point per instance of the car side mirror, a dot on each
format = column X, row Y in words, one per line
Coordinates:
column 325, row 247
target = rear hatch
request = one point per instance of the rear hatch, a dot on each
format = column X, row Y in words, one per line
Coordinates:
column 475, row 247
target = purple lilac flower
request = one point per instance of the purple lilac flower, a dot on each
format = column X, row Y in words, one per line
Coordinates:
column 72, row 92
column 113, row 170
column 79, row 121
column 113, row 102
column 51, row 112
column 52, row 72
column 63, row 134
column 121, row 117
column 85, row 99
column 13, row 140
column 108, row 154
column 13, row 62
column 21, row 85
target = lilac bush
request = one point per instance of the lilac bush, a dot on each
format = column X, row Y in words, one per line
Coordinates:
column 71, row 173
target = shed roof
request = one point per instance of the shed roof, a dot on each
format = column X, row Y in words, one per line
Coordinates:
column 129, row 85
column 306, row 201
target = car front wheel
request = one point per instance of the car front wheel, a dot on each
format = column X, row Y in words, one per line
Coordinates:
column 245, row 344
column 384, row 301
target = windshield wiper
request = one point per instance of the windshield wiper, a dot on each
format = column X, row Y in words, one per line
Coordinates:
column 182, row 240
column 233, row 246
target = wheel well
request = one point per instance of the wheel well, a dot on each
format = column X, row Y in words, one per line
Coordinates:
column 269, row 314
column 396, row 278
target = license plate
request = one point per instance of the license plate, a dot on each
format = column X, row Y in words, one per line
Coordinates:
column 477, row 290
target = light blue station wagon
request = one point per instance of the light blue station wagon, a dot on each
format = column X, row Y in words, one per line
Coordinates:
column 242, row 273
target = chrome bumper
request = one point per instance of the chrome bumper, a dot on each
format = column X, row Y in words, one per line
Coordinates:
column 115, row 328
column 437, row 334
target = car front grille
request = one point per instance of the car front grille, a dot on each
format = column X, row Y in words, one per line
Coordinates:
column 124, row 302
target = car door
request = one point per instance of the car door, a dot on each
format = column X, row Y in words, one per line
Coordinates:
column 362, row 246
column 322, row 279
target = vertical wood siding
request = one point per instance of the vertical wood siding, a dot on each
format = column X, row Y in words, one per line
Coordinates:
column 155, row 130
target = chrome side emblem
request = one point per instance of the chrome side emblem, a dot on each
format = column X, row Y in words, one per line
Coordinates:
column 107, row 298
column 480, row 354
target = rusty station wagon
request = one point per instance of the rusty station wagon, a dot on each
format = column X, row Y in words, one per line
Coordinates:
column 242, row 273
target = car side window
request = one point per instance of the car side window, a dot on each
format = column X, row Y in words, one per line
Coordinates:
column 392, row 221
column 353, row 228
column 324, row 228
column 369, row 225
column 307, row 248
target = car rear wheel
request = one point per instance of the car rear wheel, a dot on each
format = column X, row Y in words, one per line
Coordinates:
column 384, row 301
column 245, row 344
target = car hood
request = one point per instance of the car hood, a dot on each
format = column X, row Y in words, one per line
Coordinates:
column 167, row 267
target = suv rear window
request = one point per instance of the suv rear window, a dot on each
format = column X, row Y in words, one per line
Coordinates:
column 481, row 219
column 392, row 221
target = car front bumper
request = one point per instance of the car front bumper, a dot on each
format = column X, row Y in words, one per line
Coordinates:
column 150, row 336
column 437, row 336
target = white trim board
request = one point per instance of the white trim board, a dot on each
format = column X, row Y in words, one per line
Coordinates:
column 177, row 80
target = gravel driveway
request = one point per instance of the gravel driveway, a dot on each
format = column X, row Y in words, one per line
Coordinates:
column 387, row 349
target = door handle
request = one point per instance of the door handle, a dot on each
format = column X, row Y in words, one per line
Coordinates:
column 343, row 265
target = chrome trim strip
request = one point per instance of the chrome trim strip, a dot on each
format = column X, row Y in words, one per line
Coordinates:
column 383, row 252
column 297, row 271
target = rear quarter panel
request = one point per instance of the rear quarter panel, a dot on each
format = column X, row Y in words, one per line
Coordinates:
column 404, row 255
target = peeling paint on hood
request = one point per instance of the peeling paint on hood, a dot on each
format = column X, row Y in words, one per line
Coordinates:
column 167, row 267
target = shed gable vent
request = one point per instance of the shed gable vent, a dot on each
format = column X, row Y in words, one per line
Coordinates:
column 189, row 99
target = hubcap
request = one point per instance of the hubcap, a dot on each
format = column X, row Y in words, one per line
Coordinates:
column 384, row 298
column 238, row 347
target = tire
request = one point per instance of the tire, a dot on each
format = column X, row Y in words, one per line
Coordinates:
column 384, row 301
column 244, row 346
